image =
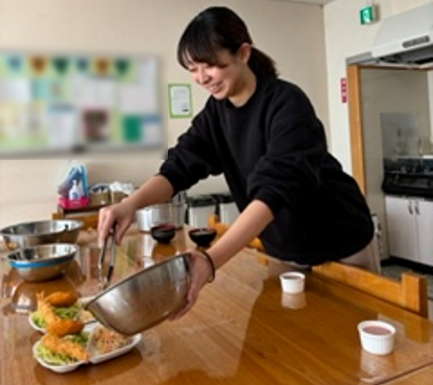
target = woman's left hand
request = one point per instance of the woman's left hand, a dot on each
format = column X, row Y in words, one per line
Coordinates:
column 201, row 272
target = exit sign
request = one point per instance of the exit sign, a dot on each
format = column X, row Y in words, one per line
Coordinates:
column 367, row 15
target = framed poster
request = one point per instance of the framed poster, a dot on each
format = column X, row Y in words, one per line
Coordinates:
column 180, row 100
column 57, row 103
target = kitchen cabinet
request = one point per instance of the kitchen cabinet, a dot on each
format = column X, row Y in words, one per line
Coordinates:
column 410, row 225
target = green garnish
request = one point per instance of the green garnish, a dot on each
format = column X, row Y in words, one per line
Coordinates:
column 56, row 359
column 70, row 312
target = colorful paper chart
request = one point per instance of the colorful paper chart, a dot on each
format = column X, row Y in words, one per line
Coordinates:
column 52, row 101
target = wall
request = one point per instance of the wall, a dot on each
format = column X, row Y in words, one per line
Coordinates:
column 291, row 33
column 346, row 37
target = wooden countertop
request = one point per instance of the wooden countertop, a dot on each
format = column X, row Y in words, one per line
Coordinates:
column 423, row 376
column 242, row 331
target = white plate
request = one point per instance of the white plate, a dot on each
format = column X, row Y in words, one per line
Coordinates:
column 55, row 368
column 94, row 357
column 33, row 324
column 82, row 301
column 98, row 358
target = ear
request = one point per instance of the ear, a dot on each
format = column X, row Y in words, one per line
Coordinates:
column 244, row 52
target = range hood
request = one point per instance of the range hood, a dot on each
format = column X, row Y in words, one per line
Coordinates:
column 406, row 38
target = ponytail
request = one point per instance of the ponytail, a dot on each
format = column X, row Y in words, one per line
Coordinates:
column 262, row 64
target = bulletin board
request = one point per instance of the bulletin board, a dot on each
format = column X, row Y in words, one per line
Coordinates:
column 59, row 102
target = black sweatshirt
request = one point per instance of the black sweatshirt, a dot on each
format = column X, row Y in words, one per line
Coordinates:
column 274, row 149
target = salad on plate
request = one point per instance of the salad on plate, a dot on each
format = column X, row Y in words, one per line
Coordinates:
column 95, row 344
column 60, row 313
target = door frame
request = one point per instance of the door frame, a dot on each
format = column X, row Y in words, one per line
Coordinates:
column 353, row 74
column 356, row 124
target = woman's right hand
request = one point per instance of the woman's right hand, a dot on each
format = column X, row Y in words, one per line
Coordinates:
column 121, row 214
column 156, row 190
column 201, row 271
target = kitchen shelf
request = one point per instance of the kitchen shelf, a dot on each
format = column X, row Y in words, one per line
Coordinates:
column 89, row 215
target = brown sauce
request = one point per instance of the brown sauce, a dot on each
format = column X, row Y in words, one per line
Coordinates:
column 377, row 330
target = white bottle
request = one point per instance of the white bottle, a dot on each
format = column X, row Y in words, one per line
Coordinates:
column 74, row 192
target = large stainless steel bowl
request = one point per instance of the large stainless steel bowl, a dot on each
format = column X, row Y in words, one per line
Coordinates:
column 144, row 299
column 42, row 232
column 43, row 262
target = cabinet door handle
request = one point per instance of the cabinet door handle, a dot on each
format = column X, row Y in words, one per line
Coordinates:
column 416, row 208
column 409, row 207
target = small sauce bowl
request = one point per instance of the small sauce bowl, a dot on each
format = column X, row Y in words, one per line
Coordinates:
column 377, row 337
column 163, row 233
column 202, row 236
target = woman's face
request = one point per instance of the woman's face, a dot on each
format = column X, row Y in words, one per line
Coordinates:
column 229, row 79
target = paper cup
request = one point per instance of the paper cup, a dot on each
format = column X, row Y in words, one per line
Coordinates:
column 292, row 282
column 377, row 337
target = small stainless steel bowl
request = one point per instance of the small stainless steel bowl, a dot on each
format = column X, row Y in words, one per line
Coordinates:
column 42, row 232
column 42, row 262
column 145, row 298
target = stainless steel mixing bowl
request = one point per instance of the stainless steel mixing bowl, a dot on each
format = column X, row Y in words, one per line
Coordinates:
column 43, row 262
column 145, row 298
column 42, row 232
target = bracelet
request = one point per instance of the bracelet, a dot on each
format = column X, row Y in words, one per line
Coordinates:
column 211, row 264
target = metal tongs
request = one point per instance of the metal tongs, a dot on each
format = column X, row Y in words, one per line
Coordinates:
column 104, row 281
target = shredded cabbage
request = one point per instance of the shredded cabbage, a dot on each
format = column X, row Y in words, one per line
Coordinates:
column 82, row 338
column 70, row 312
column 56, row 359
column 38, row 320
column 52, row 358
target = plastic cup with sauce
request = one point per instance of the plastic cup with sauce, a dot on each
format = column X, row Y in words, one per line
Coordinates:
column 377, row 337
column 292, row 282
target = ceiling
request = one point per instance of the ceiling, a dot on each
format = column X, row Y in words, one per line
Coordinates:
column 318, row 2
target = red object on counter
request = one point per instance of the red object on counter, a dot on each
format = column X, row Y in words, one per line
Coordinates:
column 75, row 203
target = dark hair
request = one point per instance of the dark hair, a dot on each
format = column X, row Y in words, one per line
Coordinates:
column 218, row 28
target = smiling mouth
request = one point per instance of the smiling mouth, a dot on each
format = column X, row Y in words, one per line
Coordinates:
column 215, row 87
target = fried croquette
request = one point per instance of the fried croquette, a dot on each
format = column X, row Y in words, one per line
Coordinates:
column 65, row 327
column 65, row 347
column 62, row 298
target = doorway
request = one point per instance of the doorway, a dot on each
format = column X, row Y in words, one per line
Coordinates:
column 390, row 115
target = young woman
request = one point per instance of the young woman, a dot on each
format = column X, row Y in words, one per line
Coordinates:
column 263, row 135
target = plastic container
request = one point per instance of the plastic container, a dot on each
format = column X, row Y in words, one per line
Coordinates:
column 100, row 194
column 226, row 207
column 74, row 204
column 200, row 207
column 77, row 173
column 171, row 212
column 74, row 192
column 292, row 282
